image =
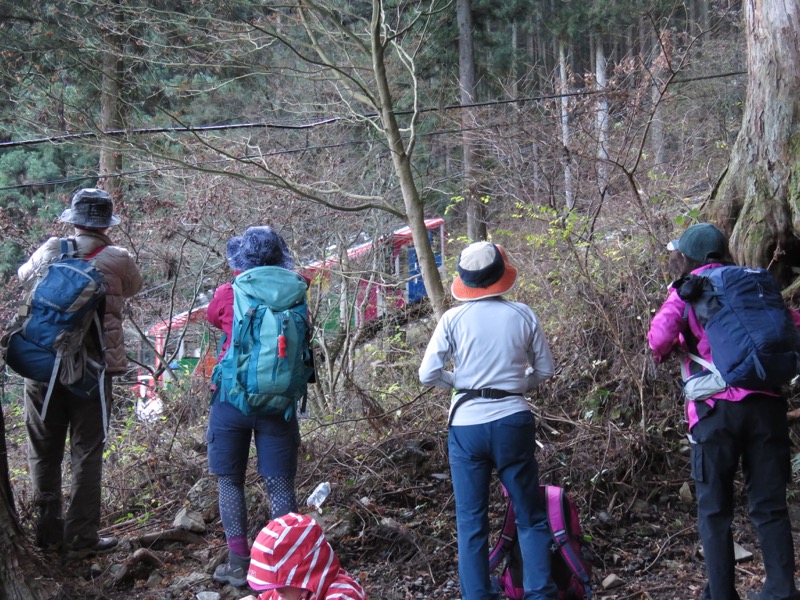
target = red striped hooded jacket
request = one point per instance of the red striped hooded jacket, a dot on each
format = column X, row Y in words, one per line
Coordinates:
column 292, row 551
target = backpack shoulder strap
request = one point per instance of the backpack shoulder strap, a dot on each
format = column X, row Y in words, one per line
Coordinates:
column 555, row 499
column 709, row 366
column 66, row 251
column 507, row 535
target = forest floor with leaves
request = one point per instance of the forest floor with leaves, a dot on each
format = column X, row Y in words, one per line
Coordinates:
column 391, row 513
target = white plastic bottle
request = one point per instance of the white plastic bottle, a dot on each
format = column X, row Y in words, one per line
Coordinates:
column 319, row 495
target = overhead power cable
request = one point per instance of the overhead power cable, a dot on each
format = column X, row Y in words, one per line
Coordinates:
column 173, row 167
column 66, row 137
column 191, row 165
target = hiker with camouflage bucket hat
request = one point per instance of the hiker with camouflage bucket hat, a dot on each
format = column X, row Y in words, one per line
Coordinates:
column 75, row 416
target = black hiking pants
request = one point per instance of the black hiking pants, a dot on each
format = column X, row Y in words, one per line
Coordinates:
column 755, row 431
column 81, row 420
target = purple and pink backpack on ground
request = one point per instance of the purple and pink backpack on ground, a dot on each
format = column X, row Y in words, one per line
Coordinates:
column 571, row 565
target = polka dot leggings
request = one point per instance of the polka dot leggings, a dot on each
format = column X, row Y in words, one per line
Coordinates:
column 282, row 497
column 233, row 509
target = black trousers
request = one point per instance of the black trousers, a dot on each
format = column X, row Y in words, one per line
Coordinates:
column 755, row 432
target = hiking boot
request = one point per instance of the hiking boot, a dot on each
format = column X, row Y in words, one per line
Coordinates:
column 104, row 544
column 101, row 546
column 49, row 534
column 234, row 571
column 49, row 527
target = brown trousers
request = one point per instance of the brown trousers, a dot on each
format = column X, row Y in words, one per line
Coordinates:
column 80, row 419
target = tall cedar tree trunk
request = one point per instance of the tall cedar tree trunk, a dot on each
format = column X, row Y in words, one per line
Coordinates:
column 563, row 86
column 476, row 211
column 401, row 159
column 602, row 121
column 757, row 200
column 20, row 572
column 111, row 106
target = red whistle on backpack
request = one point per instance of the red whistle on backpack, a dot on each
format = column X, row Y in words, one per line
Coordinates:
column 281, row 346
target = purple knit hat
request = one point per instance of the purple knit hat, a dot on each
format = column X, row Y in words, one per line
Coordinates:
column 232, row 247
column 260, row 247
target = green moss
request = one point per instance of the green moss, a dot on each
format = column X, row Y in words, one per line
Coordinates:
column 793, row 188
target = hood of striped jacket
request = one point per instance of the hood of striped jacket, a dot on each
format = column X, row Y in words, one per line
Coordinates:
column 292, row 551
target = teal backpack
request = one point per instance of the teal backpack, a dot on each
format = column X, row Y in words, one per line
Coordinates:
column 268, row 364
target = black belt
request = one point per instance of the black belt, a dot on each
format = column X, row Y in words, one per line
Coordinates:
column 482, row 393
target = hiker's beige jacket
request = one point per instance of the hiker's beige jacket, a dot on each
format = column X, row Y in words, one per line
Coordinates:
column 122, row 279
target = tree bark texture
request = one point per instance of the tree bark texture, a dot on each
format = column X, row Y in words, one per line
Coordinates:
column 476, row 218
column 569, row 195
column 111, row 103
column 601, row 120
column 757, row 200
column 20, row 574
column 657, row 119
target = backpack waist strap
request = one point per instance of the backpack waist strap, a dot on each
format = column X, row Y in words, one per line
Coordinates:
column 485, row 393
column 481, row 393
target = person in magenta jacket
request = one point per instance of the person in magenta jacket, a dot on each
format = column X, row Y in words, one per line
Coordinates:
column 220, row 310
column 230, row 431
column 732, row 424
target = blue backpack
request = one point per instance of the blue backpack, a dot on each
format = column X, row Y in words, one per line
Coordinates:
column 753, row 339
column 268, row 364
column 49, row 338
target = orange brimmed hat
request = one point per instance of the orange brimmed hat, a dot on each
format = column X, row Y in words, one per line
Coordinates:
column 483, row 271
